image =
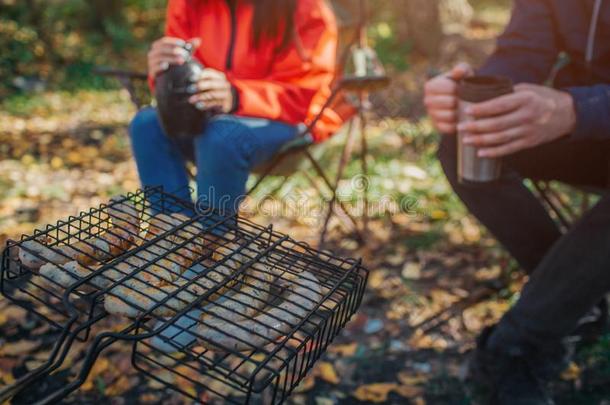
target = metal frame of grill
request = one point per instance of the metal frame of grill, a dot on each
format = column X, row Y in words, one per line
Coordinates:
column 249, row 346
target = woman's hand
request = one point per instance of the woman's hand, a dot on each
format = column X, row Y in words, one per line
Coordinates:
column 531, row 116
column 212, row 91
column 167, row 51
column 441, row 98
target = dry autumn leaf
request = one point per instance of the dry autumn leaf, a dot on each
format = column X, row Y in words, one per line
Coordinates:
column 377, row 392
column 306, row 384
column 326, row 371
column 571, row 373
column 18, row 348
column 346, row 350
column 408, row 391
column 411, row 379
column 101, row 365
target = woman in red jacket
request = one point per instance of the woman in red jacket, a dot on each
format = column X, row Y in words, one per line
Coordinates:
column 269, row 67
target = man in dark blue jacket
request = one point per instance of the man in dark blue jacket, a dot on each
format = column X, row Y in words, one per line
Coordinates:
column 542, row 133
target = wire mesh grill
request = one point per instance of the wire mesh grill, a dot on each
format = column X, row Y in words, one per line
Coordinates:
column 234, row 310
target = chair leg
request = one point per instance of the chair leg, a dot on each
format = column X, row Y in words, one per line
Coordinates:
column 345, row 153
column 546, row 194
column 263, row 176
column 364, row 164
column 277, row 188
column 324, row 177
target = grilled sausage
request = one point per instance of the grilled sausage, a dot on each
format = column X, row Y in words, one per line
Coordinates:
column 133, row 298
column 118, row 238
column 165, row 270
column 247, row 301
column 303, row 293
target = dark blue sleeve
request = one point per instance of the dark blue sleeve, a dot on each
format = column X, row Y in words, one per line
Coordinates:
column 592, row 112
column 528, row 49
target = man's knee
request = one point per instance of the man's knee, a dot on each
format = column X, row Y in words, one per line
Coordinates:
column 447, row 156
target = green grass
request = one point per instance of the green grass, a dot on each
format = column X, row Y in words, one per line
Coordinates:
column 23, row 104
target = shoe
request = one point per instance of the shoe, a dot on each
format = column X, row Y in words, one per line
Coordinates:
column 592, row 326
column 506, row 378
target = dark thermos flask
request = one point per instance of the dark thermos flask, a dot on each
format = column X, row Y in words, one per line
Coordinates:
column 180, row 119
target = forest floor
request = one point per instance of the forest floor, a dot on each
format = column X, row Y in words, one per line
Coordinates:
column 436, row 277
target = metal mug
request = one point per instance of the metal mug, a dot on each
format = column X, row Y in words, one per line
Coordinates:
column 472, row 90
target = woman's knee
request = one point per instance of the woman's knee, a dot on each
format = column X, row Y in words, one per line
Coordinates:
column 145, row 125
column 225, row 142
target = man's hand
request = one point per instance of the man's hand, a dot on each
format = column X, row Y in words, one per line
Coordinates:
column 532, row 116
column 166, row 51
column 441, row 98
column 212, row 91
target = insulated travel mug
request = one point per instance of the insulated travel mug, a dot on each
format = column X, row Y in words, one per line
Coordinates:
column 471, row 90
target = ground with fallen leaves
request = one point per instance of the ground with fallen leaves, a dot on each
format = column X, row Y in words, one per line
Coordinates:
column 436, row 278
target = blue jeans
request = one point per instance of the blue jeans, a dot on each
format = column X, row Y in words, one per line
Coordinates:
column 225, row 153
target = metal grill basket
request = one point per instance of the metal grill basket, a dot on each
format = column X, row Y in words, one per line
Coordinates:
column 236, row 310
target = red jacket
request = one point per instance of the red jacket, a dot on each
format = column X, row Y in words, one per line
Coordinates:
column 290, row 86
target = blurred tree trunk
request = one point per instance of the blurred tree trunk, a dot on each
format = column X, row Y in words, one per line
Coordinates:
column 104, row 11
column 428, row 20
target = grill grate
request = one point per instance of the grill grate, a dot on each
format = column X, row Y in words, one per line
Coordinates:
column 233, row 309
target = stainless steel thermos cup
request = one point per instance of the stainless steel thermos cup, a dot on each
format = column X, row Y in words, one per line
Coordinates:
column 471, row 90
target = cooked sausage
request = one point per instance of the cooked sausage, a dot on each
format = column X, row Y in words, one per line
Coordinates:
column 302, row 294
column 245, row 302
column 133, row 298
column 132, row 303
column 166, row 269
column 41, row 254
column 118, row 238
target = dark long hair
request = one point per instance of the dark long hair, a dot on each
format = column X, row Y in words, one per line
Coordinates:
column 274, row 19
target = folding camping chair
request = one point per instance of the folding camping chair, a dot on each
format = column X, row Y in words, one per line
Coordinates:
column 561, row 207
column 367, row 76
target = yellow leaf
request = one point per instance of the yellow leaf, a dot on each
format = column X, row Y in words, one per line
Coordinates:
column 7, row 378
column 28, row 160
column 408, row 391
column 306, row 385
column 74, row 157
column 347, row 350
column 571, row 373
column 438, row 214
column 100, row 366
column 191, row 391
column 377, row 392
column 377, row 278
column 118, row 387
column 410, row 379
column 327, row 372
column 57, row 163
